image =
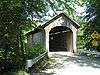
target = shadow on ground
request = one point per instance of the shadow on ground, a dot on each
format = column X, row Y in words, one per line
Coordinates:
column 81, row 60
column 67, row 61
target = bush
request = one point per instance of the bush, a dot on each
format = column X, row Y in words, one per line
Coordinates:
column 20, row 72
column 32, row 52
column 13, row 62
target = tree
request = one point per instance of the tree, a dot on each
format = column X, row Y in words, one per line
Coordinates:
column 13, row 21
column 18, row 16
column 93, row 23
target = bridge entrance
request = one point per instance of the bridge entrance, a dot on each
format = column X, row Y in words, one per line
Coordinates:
column 60, row 39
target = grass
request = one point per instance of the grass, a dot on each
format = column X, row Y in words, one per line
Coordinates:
column 20, row 72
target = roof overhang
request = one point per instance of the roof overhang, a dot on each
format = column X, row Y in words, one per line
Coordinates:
column 39, row 28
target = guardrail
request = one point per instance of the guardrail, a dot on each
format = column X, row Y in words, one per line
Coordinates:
column 30, row 62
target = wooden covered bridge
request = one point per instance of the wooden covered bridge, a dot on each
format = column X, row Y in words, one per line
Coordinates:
column 58, row 34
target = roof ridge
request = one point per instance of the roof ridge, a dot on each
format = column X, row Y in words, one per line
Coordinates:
column 56, row 17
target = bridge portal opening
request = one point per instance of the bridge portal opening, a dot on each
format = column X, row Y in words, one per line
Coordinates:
column 60, row 39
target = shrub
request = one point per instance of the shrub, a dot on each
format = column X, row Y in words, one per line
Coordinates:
column 32, row 52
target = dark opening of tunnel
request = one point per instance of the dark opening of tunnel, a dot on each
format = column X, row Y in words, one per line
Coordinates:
column 58, row 38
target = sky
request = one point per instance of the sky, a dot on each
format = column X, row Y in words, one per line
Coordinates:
column 80, row 10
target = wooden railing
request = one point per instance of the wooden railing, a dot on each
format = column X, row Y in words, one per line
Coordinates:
column 30, row 62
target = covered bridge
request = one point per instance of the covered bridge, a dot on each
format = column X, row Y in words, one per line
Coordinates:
column 58, row 34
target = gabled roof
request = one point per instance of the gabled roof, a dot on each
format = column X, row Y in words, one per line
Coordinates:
column 58, row 16
column 52, row 20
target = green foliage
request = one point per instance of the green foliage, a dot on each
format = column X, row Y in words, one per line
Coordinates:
column 19, row 16
column 93, row 23
column 20, row 72
column 80, row 42
column 13, row 24
column 33, row 52
column 67, row 6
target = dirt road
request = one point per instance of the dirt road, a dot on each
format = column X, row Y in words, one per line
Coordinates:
column 67, row 63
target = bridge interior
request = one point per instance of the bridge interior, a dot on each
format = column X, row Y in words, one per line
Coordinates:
column 59, row 39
